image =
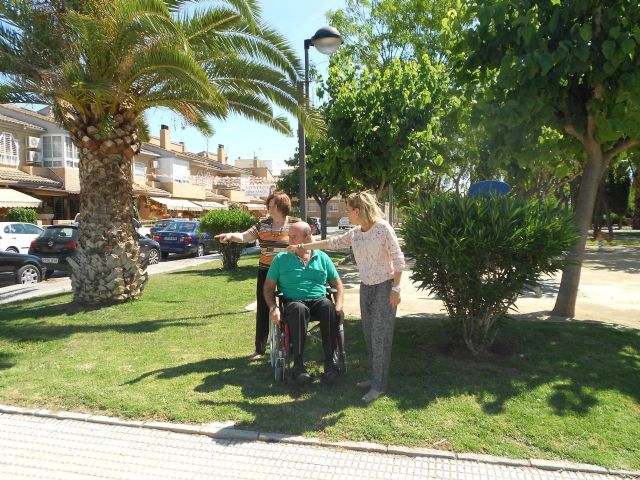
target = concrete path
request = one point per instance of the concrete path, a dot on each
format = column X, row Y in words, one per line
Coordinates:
column 67, row 449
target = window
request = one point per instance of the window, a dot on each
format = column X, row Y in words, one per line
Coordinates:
column 71, row 153
column 139, row 169
column 59, row 151
column 333, row 207
column 313, row 207
column 8, row 149
column 181, row 171
column 52, row 151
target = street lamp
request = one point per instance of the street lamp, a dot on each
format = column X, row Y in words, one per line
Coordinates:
column 327, row 40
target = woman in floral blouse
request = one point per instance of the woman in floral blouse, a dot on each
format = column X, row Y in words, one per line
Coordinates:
column 380, row 263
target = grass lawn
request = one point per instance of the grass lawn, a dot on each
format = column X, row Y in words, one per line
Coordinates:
column 565, row 391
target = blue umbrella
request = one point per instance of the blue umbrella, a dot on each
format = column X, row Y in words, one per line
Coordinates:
column 489, row 187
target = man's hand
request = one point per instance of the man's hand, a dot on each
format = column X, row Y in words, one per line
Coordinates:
column 223, row 237
column 340, row 315
column 274, row 315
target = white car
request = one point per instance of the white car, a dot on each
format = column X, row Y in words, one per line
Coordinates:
column 344, row 223
column 17, row 236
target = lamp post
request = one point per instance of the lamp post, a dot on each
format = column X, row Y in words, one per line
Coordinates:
column 327, row 40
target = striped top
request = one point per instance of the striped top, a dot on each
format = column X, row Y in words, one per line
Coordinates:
column 272, row 240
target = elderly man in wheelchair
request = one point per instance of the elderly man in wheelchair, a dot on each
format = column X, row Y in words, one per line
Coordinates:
column 301, row 280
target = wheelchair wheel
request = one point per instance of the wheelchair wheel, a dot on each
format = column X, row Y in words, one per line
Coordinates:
column 279, row 373
column 340, row 361
column 273, row 343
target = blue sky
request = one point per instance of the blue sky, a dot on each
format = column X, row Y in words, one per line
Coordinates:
column 296, row 20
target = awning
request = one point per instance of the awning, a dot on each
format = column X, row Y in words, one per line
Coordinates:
column 177, row 204
column 10, row 198
column 255, row 206
column 212, row 206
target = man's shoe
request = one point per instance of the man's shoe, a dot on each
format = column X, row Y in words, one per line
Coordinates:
column 329, row 376
column 255, row 356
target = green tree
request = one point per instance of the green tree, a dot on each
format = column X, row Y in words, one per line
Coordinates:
column 100, row 65
column 216, row 222
column 570, row 66
column 323, row 183
column 385, row 121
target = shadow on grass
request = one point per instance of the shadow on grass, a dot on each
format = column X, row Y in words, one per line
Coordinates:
column 571, row 364
column 576, row 361
column 243, row 272
column 5, row 361
column 42, row 332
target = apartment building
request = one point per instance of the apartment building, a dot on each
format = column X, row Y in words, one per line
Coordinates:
column 39, row 169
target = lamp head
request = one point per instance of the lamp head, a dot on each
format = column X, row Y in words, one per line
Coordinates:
column 327, row 40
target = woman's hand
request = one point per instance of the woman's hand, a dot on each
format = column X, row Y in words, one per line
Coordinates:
column 394, row 299
column 294, row 248
column 223, row 237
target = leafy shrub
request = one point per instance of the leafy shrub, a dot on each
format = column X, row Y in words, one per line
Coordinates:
column 477, row 254
column 225, row 221
column 20, row 214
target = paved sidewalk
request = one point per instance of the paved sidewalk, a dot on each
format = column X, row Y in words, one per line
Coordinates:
column 42, row 447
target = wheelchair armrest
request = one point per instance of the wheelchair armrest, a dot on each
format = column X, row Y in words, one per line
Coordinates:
column 331, row 290
column 279, row 295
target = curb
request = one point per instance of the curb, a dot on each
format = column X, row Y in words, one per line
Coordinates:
column 225, row 430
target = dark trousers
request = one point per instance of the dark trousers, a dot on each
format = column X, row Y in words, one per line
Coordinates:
column 298, row 313
column 262, row 313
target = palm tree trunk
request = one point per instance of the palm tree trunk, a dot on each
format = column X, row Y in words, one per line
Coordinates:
column 107, row 266
column 568, row 293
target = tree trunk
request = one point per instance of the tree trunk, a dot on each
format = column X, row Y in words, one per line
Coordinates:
column 107, row 266
column 594, row 170
column 635, row 219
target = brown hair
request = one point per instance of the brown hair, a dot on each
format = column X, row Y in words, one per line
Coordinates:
column 281, row 200
column 368, row 205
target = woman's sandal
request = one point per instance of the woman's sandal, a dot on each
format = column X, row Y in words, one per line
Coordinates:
column 371, row 395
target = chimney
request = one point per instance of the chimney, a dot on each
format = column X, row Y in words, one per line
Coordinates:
column 165, row 137
column 182, row 147
column 222, row 158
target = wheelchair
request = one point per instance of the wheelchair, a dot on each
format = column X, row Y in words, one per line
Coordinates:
column 280, row 348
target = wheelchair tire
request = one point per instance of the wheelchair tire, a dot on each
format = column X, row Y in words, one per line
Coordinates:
column 340, row 361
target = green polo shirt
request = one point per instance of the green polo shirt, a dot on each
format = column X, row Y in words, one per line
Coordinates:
column 298, row 282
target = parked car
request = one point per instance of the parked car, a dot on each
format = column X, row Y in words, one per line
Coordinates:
column 161, row 224
column 17, row 236
column 182, row 236
column 58, row 242
column 149, row 249
column 25, row 269
column 344, row 224
column 141, row 229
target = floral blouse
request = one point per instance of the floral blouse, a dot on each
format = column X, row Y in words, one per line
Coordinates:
column 376, row 251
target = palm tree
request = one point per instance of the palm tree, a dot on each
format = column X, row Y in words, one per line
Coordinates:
column 100, row 64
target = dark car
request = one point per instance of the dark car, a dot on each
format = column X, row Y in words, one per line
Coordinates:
column 149, row 249
column 182, row 236
column 54, row 246
column 161, row 224
column 24, row 268
column 58, row 242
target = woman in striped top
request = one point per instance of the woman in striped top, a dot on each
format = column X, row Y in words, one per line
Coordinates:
column 272, row 234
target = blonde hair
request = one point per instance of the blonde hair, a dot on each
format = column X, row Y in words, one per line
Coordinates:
column 368, row 205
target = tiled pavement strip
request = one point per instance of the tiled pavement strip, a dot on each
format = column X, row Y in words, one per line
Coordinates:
column 45, row 445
